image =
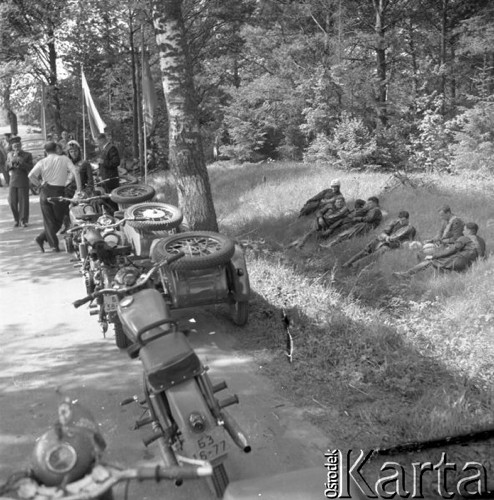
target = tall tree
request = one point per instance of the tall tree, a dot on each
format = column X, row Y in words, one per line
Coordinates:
column 186, row 156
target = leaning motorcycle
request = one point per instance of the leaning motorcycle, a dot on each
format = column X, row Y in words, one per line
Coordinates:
column 188, row 420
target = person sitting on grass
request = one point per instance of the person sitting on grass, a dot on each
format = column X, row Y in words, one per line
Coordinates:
column 359, row 210
column 394, row 234
column 458, row 256
column 332, row 211
column 363, row 223
column 321, row 198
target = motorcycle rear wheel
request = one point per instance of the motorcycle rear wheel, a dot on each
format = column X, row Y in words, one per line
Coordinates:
column 219, row 480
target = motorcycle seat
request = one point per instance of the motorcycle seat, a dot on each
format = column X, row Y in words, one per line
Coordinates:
column 169, row 360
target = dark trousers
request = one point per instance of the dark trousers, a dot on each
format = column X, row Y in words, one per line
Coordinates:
column 19, row 203
column 53, row 213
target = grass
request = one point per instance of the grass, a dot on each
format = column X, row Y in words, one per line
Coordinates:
column 377, row 361
column 404, row 360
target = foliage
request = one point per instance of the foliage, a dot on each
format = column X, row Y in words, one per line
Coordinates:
column 430, row 145
column 473, row 147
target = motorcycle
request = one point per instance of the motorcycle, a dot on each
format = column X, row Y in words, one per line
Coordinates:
column 67, row 463
column 179, row 397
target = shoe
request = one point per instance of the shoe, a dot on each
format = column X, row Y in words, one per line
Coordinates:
column 55, row 250
column 16, row 224
column 39, row 242
column 24, row 224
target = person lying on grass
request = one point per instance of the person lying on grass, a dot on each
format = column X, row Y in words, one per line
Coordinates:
column 393, row 235
column 331, row 212
column 364, row 223
column 321, row 198
column 458, row 256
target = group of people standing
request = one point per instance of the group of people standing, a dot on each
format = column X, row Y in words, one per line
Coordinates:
column 456, row 246
column 61, row 173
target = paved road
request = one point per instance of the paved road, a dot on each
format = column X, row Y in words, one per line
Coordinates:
column 50, row 349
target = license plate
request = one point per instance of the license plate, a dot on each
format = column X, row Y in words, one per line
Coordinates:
column 111, row 302
column 209, row 447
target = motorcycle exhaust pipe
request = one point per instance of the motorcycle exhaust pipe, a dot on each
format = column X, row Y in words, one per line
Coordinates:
column 235, row 432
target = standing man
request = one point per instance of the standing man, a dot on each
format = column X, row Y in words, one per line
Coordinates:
column 108, row 161
column 55, row 171
column 18, row 164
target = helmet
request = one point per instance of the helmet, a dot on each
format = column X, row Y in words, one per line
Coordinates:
column 335, row 182
column 69, row 449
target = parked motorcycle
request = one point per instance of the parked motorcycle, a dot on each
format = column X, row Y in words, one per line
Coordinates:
column 180, row 399
column 67, row 463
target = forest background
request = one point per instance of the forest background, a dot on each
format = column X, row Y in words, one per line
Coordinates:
column 382, row 84
column 353, row 89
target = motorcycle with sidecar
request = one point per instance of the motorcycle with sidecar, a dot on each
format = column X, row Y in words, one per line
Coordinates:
column 212, row 271
column 188, row 420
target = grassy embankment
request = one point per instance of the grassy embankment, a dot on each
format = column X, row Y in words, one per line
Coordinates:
column 376, row 360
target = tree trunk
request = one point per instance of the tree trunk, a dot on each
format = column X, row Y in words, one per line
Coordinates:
column 443, row 53
column 186, row 156
column 381, row 63
column 53, row 99
column 11, row 116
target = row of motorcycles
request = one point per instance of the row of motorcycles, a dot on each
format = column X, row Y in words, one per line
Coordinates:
column 139, row 265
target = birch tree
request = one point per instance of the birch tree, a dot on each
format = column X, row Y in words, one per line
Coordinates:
column 186, row 156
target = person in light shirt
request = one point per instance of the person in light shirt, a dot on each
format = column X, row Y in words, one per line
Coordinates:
column 54, row 172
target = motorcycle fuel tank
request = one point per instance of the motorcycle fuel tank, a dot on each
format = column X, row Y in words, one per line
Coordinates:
column 142, row 309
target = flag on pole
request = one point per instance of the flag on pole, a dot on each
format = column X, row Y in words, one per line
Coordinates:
column 149, row 98
column 96, row 124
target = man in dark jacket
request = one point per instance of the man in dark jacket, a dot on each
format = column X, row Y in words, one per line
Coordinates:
column 394, row 234
column 458, row 256
column 108, row 161
column 321, row 198
column 19, row 163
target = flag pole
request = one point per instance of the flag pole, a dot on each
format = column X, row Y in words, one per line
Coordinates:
column 142, row 105
column 83, row 119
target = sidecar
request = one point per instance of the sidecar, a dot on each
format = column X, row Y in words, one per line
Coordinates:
column 213, row 271
column 162, row 220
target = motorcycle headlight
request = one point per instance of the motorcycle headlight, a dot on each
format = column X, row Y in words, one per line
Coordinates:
column 127, row 276
column 105, row 220
column 111, row 238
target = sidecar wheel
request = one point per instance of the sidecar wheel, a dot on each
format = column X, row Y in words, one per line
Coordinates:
column 121, row 339
column 132, row 193
column 219, row 480
column 202, row 249
column 239, row 311
column 161, row 216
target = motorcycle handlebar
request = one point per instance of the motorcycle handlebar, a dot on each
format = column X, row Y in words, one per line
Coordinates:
column 123, row 291
column 76, row 201
column 99, row 226
column 103, row 478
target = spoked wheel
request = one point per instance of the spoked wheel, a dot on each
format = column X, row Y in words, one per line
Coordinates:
column 219, row 480
column 202, row 249
column 121, row 339
column 132, row 193
column 161, row 216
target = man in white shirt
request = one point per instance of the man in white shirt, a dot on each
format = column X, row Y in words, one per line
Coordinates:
column 55, row 172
